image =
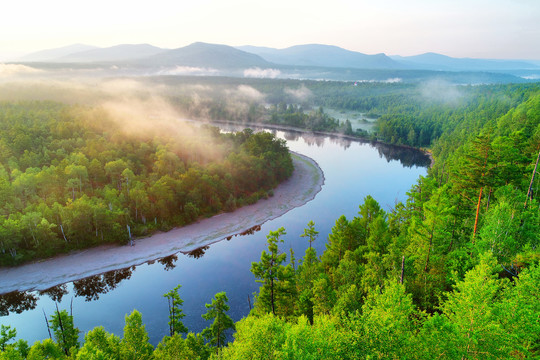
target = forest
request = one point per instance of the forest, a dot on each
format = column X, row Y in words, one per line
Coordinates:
column 72, row 177
column 452, row 272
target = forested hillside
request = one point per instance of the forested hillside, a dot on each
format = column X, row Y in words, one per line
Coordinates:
column 73, row 177
column 453, row 272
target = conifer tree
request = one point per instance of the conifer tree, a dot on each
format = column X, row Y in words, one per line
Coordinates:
column 268, row 270
column 176, row 313
column 217, row 309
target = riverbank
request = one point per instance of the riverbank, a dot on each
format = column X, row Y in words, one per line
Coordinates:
column 306, row 181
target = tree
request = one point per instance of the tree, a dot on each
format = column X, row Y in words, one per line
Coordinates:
column 98, row 344
column 47, row 349
column 257, row 338
column 387, row 322
column 175, row 312
column 134, row 345
column 215, row 334
column 470, row 324
column 66, row 334
column 177, row 348
column 268, row 269
column 6, row 335
column 310, row 232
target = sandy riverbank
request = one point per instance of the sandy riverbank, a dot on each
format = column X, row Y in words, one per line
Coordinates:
column 304, row 184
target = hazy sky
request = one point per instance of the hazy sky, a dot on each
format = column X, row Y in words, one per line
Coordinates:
column 460, row 28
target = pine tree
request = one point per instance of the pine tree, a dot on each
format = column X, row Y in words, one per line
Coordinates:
column 175, row 312
column 215, row 333
column 268, row 270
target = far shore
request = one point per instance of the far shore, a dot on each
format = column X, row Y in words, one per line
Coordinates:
column 307, row 180
column 360, row 139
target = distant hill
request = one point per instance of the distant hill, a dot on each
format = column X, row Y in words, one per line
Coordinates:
column 323, row 56
column 438, row 62
column 207, row 55
column 312, row 61
column 53, row 54
column 124, row 52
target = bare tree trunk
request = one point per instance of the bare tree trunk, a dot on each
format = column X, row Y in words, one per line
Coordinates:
column 272, row 295
column 477, row 212
column 64, row 235
column 489, row 197
column 61, row 327
column 402, row 269
column 47, row 323
column 529, row 191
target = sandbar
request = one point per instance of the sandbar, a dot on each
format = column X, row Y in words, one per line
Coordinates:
column 306, row 181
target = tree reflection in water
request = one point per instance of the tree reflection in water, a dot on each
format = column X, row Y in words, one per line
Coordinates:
column 17, row 302
column 168, row 262
column 56, row 293
column 92, row 287
column 197, row 253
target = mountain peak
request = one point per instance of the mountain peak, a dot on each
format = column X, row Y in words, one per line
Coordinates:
column 321, row 55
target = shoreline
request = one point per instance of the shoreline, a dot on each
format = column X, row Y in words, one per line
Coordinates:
column 305, row 183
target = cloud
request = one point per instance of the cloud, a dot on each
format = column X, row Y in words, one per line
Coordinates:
column 262, row 73
column 300, row 94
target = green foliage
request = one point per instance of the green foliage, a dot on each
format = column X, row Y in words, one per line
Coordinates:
column 388, row 323
column 6, row 335
column 177, row 348
column 270, row 271
column 75, row 177
column 176, row 314
column 451, row 273
column 134, row 344
column 98, row 344
column 310, row 232
column 470, row 325
column 65, row 333
column 47, row 349
column 216, row 333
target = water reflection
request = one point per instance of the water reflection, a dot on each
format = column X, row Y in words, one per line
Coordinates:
column 17, row 302
column 168, row 262
column 56, row 293
column 197, row 253
column 408, row 157
column 92, row 287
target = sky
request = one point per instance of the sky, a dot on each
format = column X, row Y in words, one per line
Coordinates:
column 499, row 29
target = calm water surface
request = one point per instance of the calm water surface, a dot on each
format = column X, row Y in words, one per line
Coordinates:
column 352, row 170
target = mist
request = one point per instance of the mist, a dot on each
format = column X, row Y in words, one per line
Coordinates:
column 441, row 91
column 262, row 73
column 301, row 94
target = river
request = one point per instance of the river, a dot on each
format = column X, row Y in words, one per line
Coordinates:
column 352, row 170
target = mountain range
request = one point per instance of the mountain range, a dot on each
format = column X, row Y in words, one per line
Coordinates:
column 222, row 56
column 311, row 61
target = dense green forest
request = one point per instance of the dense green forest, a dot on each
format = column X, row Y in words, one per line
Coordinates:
column 73, row 177
column 408, row 114
column 453, row 272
